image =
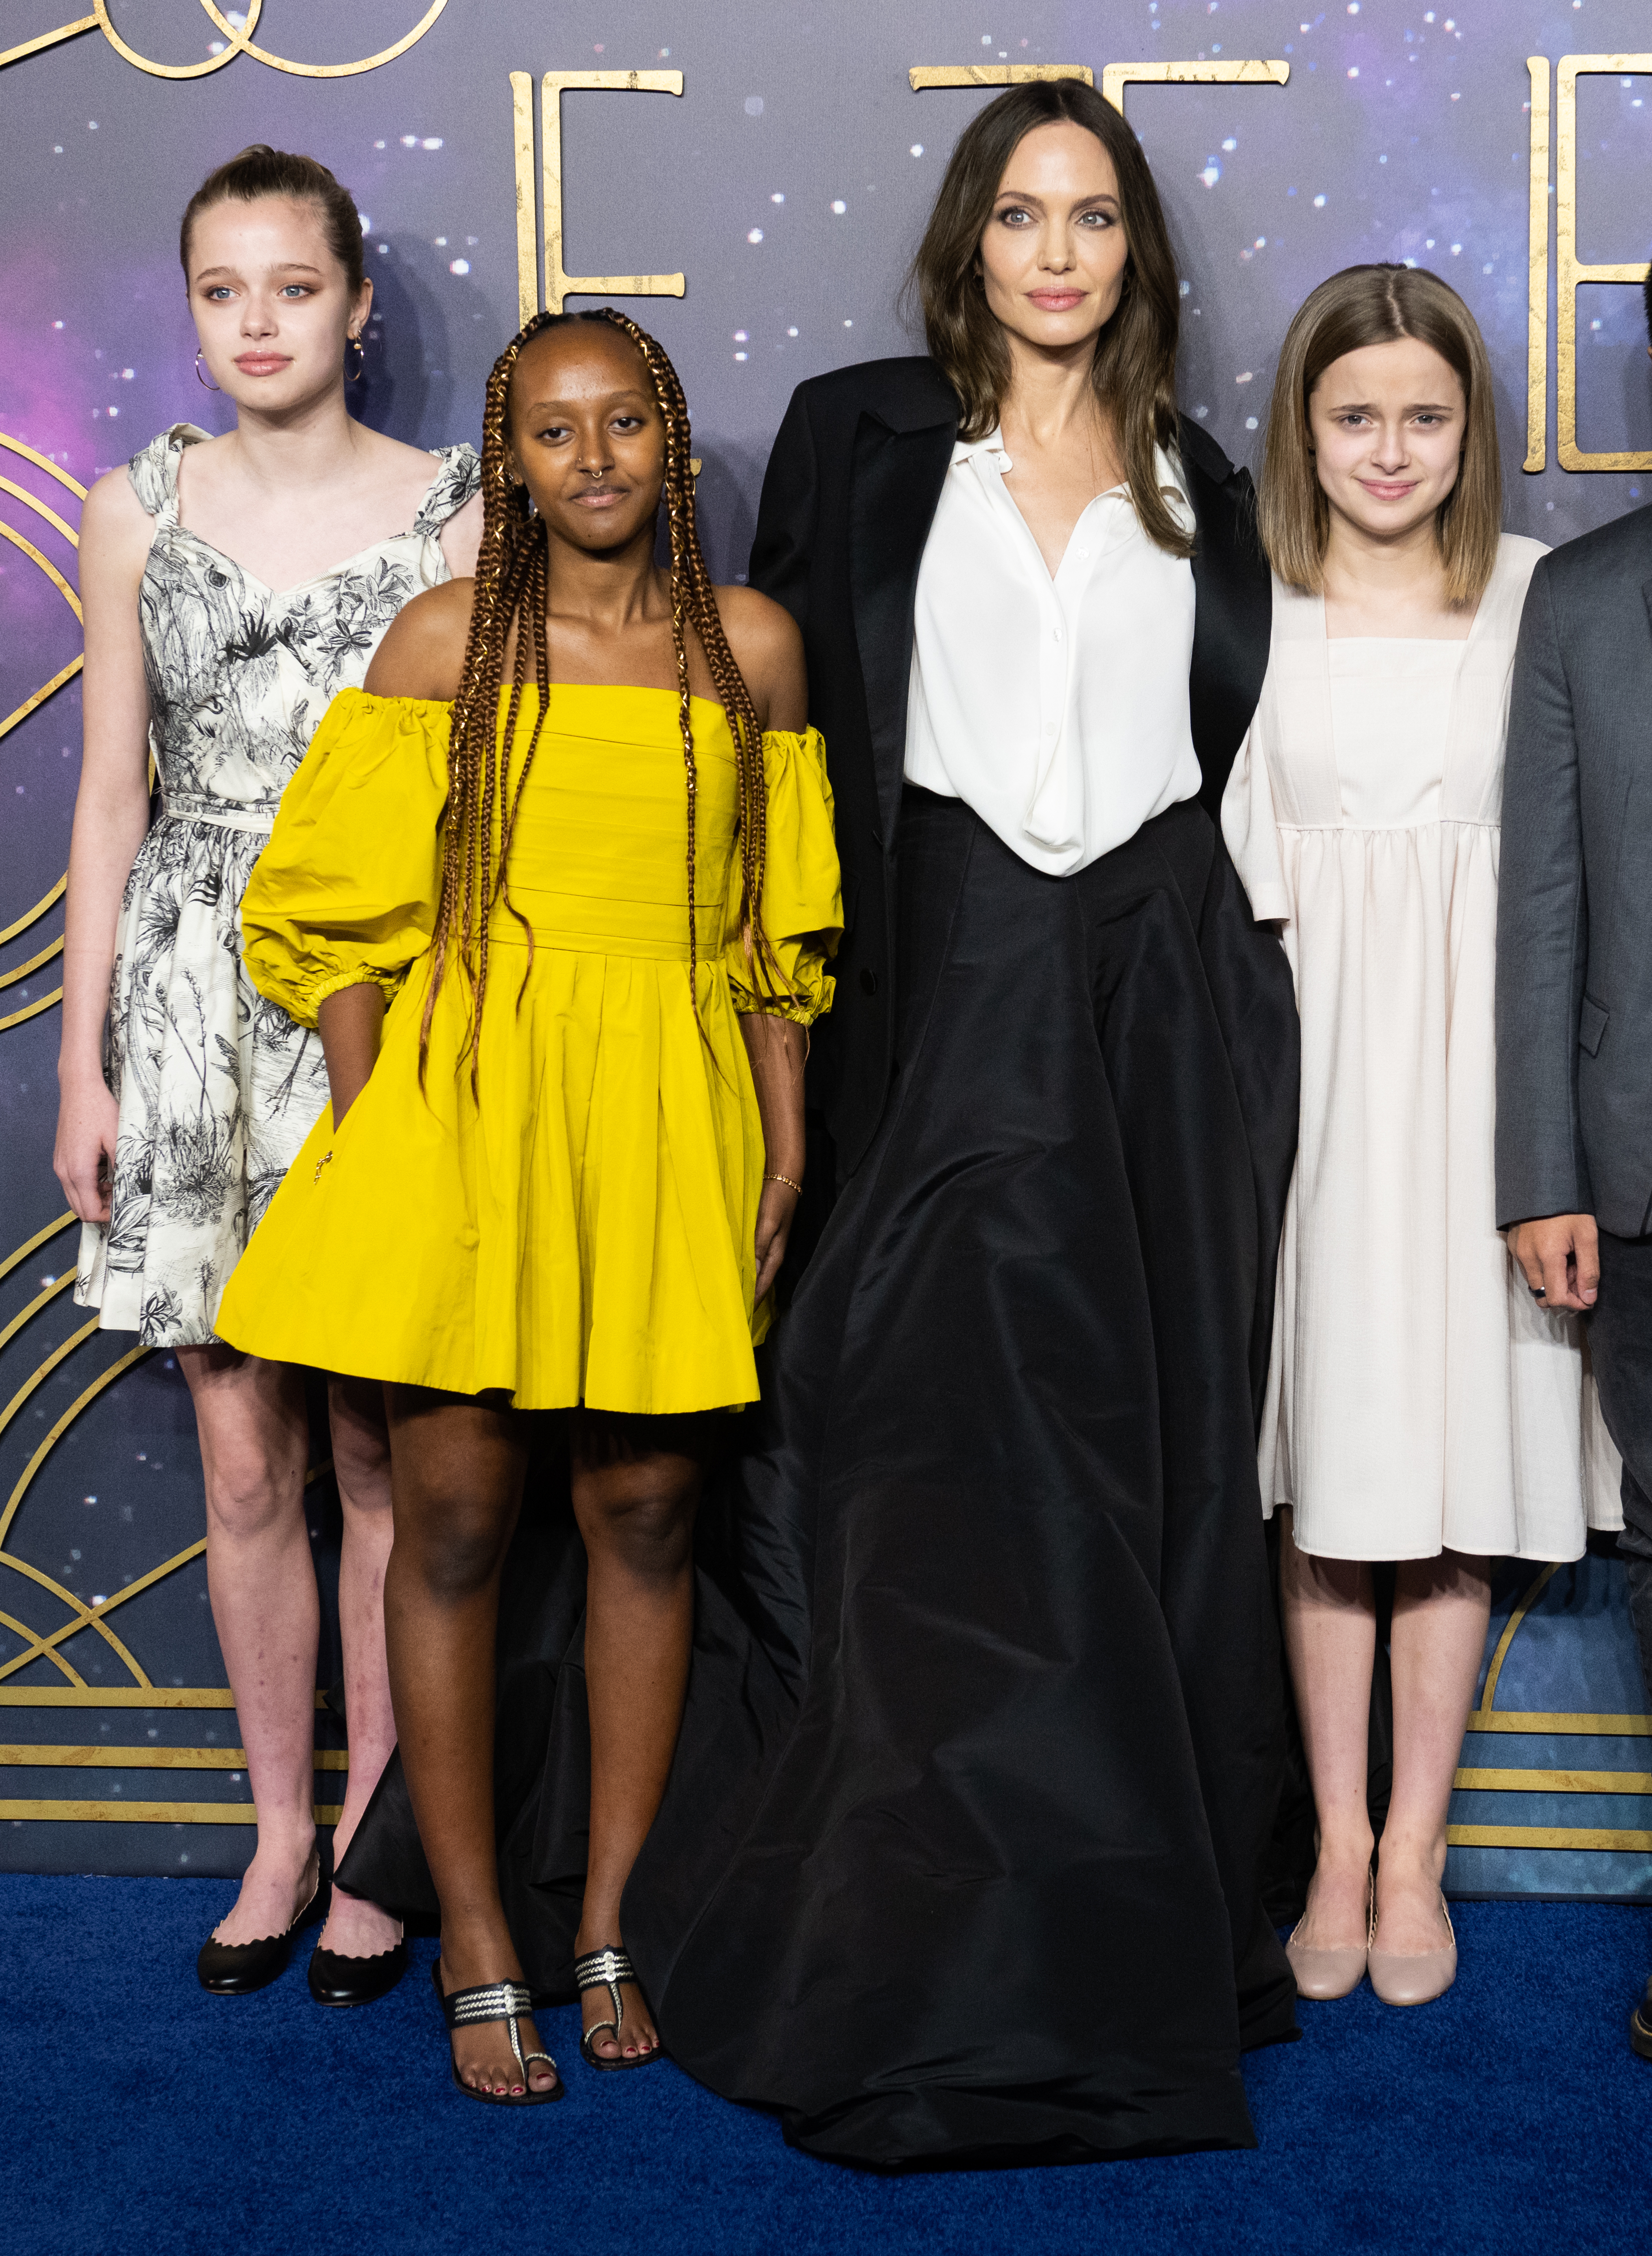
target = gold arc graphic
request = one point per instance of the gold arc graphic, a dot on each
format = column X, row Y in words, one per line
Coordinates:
column 22, row 972
column 85, row 1617
column 81, row 1402
column 32, row 1010
column 237, row 42
column 22, row 1629
column 35, row 1306
column 44, row 1649
column 65, row 674
column 41, row 1236
column 1499, row 1655
column 34, row 916
column 59, row 1355
column 45, row 463
column 40, row 509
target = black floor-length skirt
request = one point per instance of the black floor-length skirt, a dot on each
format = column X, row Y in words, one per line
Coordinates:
column 961, row 1852
column 959, row 1858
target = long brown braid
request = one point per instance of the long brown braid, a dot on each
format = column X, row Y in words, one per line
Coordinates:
column 513, row 588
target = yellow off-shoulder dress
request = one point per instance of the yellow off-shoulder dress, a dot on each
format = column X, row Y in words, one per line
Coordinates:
column 581, row 1230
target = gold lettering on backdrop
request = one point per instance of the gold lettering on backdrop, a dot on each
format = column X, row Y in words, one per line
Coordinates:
column 1117, row 76
column 560, row 285
column 1570, row 271
column 1537, row 278
column 922, row 74
column 238, row 40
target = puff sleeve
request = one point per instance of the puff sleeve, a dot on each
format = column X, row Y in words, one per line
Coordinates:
column 803, row 896
column 346, row 890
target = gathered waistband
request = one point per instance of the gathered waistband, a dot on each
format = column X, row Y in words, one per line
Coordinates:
column 597, row 924
column 222, row 815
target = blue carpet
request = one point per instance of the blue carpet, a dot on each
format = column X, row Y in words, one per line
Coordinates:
column 140, row 2114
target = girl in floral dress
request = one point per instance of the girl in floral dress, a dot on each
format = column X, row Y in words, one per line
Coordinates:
column 232, row 585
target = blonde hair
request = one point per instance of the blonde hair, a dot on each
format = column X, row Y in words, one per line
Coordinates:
column 1378, row 305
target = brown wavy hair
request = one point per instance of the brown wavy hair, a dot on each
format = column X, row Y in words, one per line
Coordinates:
column 261, row 171
column 513, row 585
column 1377, row 305
column 1134, row 367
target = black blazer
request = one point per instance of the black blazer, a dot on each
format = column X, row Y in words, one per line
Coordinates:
column 848, row 500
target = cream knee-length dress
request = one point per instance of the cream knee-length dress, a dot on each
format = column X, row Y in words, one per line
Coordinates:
column 1419, row 1399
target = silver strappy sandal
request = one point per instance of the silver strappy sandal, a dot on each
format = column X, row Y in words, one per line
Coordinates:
column 606, row 1970
column 496, row 2001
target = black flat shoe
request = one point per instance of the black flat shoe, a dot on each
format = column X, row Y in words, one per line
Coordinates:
column 606, row 1970
column 236, row 1969
column 1641, row 2025
column 337, row 1980
column 495, row 2001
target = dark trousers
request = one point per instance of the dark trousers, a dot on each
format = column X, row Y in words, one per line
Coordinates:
column 1620, row 1343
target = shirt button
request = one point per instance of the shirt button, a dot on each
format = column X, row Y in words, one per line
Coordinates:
column 1055, row 632
column 1084, row 551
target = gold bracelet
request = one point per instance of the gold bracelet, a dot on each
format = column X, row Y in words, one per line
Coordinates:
column 786, row 1180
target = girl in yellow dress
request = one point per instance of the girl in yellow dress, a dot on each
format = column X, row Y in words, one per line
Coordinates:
column 529, row 911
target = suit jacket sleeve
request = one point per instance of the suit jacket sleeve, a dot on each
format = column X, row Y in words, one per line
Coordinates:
column 782, row 548
column 1542, row 934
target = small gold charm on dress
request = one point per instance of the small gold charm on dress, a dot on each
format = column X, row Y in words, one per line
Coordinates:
column 320, row 1163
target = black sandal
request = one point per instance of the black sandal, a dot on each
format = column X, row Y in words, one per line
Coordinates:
column 496, row 2001
column 606, row 1970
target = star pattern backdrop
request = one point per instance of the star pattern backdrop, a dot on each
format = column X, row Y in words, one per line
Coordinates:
column 781, row 164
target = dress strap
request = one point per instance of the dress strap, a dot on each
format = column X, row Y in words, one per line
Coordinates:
column 154, row 472
column 458, row 478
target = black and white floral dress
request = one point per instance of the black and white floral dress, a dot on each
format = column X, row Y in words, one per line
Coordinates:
column 218, row 1088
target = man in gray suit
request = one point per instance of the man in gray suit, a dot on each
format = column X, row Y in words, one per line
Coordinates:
column 1574, row 991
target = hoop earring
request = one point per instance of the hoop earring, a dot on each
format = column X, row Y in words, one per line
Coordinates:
column 354, row 376
column 200, row 379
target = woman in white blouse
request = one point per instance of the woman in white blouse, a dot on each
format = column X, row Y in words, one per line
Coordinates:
column 1421, row 1407
column 961, row 1849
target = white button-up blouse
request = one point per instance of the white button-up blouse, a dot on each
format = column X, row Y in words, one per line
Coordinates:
column 1056, row 709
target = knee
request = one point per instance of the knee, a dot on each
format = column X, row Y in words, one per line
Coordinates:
column 453, row 1546
column 644, row 1519
column 249, row 1494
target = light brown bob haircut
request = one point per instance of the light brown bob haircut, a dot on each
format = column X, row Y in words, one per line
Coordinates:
column 1377, row 305
column 1134, row 367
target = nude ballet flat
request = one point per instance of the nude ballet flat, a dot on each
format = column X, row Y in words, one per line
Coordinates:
column 1413, row 1977
column 1326, row 1973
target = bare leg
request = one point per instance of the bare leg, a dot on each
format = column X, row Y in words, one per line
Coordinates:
column 1330, row 1640
column 361, row 1461
column 254, row 1444
column 636, row 1487
column 457, row 1465
column 1440, row 1611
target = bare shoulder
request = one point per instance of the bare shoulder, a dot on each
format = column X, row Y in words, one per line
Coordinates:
column 768, row 645
column 423, row 653
column 112, row 513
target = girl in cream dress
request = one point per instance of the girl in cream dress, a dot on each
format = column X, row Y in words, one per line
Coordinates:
column 1421, row 1406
